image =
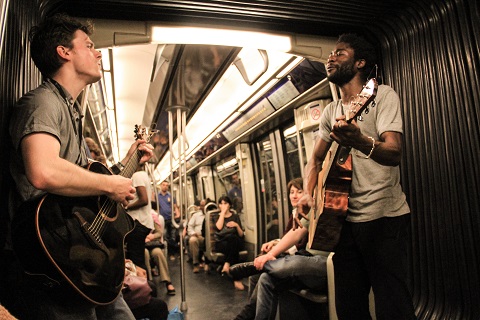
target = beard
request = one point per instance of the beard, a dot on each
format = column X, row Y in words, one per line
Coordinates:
column 342, row 75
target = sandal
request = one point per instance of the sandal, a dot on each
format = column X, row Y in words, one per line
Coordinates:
column 170, row 292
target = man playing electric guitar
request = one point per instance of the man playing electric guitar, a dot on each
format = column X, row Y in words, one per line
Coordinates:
column 50, row 152
column 371, row 252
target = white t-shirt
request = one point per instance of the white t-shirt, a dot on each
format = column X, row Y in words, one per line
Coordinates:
column 143, row 215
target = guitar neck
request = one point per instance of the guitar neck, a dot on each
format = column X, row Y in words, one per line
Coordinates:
column 132, row 164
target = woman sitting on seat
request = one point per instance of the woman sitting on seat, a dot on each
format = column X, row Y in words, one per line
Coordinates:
column 229, row 237
column 157, row 253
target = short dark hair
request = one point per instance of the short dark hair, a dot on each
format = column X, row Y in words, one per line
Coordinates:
column 55, row 31
column 297, row 183
column 226, row 199
column 362, row 50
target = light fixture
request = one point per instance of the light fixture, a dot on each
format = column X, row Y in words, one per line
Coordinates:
column 224, row 37
column 228, row 96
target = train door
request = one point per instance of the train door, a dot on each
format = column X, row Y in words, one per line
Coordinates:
column 279, row 160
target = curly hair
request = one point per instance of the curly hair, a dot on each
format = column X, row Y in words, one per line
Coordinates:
column 363, row 50
column 55, row 31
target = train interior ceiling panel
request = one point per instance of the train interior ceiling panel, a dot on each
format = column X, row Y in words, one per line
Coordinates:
column 231, row 98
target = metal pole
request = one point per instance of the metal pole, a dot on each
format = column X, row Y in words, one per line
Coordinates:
column 182, row 147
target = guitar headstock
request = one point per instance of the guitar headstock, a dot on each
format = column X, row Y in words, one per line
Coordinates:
column 362, row 100
column 142, row 133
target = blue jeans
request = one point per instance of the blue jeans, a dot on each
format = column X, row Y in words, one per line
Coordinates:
column 290, row 272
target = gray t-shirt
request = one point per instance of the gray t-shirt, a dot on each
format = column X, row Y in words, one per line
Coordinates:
column 375, row 190
column 44, row 109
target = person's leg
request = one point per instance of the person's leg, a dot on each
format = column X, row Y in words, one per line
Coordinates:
column 385, row 256
column 351, row 278
column 170, row 238
column 116, row 310
column 266, row 296
column 299, row 272
column 248, row 311
column 162, row 264
column 194, row 246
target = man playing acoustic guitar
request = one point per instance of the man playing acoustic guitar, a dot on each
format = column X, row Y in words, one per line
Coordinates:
column 48, row 161
column 372, row 248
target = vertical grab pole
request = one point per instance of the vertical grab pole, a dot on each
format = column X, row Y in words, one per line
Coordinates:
column 180, row 157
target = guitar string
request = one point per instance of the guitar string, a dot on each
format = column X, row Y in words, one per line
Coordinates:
column 98, row 224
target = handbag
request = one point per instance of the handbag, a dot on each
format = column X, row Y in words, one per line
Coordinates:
column 225, row 233
column 136, row 291
column 152, row 244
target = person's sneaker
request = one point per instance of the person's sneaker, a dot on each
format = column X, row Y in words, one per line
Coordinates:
column 172, row 258
column 196, row 269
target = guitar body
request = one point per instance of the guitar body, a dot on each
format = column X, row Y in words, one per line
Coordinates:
column 72, row 242
column 331, row 205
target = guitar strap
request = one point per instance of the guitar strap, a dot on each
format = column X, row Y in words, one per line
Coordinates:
column 76, row 117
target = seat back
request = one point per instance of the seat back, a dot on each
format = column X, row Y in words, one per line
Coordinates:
column 211, row 216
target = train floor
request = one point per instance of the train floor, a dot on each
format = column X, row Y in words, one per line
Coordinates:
column 207, row 295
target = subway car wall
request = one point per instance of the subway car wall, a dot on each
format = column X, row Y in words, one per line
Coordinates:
column 429, row 55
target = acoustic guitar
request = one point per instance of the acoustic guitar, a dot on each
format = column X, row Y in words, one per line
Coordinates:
column 77, row 242
column 333, row 182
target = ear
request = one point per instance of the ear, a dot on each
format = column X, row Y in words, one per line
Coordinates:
column 63, row 52
column 361, row 63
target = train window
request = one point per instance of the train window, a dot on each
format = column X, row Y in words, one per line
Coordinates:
column 296, row 159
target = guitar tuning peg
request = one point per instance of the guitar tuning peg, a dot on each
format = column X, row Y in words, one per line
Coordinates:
column 360, row 118
column 367, row 110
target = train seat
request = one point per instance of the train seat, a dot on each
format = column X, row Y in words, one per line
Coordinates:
column 317, row 299
column 211, row 216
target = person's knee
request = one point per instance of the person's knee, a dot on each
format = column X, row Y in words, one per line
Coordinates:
column 193, row 240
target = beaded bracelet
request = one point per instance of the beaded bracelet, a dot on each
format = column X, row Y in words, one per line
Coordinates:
column 373, row 147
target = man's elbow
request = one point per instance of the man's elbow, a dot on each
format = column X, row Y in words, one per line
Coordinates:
column 41, row 180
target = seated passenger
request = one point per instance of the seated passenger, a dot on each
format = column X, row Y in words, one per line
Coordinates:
column 229, row 237
column 292, row 271
column 247, row 269
column 157, row 253
column 196, row 241
column 141, row 296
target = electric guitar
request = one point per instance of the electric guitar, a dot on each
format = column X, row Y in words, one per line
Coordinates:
column 77, row 242
column 333, row 182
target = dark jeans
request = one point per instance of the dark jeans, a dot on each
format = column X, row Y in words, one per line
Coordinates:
column 373, row 254
column 172, row 238
column 136, row 244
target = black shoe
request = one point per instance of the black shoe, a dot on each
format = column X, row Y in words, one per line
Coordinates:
column 243, row 270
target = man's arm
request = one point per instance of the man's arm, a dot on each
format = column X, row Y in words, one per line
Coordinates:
column 288, row 240
column 386, row 151
column 47, row 171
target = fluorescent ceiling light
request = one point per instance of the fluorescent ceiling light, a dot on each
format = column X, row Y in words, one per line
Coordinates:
column 224, row 37
column 229, row 95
